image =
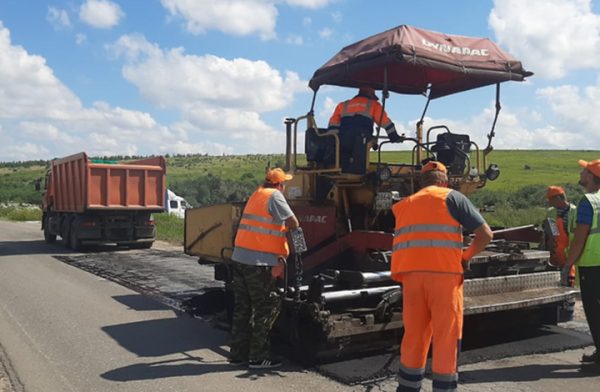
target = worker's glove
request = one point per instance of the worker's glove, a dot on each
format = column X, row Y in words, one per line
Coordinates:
column 395, row 138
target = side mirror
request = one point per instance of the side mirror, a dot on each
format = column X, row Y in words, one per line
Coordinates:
column 37, row 184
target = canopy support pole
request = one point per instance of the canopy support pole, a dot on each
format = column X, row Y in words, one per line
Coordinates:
column 384, row 96
column 420, row 127
column 491, row 135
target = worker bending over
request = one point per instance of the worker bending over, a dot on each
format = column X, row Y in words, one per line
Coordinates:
column 428, row 260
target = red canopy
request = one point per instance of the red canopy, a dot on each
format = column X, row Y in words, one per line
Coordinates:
column 416, row 58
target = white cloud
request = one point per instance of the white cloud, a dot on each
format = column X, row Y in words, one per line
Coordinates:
column 578, row 112
column 101, row 14
column 45, row 131
column 337, row 17
column 313, row 4
column 26, row 151
column 133, row 47
column 174, row 79
column 325, row 33
column 58, row 18
column 237, row 17
column 29, row 87
column 521, row 129
column 80, row 38
column 218, row 98
column 294, row 39
column 306, row 21
column 36, row 106
column 326, row 111
column 552, row 37
column 181, row 147
column 220, row 102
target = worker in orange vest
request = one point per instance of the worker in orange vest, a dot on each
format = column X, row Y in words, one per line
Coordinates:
column 428, row 260
column 563, row 214
column 353, row 120
column 260, row 244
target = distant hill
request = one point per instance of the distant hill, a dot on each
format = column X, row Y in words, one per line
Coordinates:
column 205, row 180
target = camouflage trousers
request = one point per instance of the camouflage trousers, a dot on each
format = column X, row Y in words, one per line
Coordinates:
column 255, row 310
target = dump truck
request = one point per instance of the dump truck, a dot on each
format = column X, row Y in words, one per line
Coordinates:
column 93, row 201
column 338, row 297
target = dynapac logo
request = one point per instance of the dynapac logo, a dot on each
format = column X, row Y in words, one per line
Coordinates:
column 455, row 49
column 313, row 218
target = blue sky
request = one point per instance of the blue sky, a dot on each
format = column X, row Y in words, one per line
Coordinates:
column 203, row 76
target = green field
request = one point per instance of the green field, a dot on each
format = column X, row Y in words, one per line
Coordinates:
column 518, row 194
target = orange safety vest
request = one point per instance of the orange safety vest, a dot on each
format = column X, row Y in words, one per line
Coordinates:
column 562, row 243
column 560, row 255
column 361, row 106
column 257, row 230
column 427, row 237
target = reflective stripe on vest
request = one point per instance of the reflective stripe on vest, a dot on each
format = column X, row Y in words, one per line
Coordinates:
column 590, row 257
column 425, row 228
column 261, row 230
column 258, row 231
column 419, row 243
column 364, row 107
column 258, row 218
column 366, row 112
column 428, row 244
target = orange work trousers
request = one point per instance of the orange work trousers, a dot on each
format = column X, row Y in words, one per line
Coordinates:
column 432, row 309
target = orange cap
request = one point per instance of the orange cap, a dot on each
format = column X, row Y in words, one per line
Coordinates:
column 554, row 191
column 592, row 166
column 277, row 176
column 434, row 165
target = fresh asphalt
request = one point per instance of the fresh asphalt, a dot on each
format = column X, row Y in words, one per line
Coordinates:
column 65, row 329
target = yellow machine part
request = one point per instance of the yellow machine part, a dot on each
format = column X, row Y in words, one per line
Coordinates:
column 210, row 231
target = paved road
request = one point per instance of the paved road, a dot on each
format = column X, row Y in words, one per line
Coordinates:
column 63, row 329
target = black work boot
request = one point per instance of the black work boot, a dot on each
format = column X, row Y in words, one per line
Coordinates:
column 591, row 358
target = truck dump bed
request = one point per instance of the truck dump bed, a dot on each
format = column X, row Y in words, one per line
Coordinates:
column 78, row 185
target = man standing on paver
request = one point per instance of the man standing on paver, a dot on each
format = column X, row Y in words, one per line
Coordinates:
column 584, row 252
column 428, row 260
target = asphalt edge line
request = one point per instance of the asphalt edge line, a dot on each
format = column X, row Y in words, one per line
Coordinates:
column 7, row 369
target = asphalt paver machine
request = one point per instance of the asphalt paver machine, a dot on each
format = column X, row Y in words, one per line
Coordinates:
column 338, row 297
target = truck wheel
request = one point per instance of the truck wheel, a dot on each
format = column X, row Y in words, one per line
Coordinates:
column 74, row 242
column 49, row 238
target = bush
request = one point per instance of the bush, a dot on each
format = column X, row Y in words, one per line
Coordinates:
column 16, row 213
column 510, row 217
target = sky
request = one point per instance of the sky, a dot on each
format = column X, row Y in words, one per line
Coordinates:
column 141, row 77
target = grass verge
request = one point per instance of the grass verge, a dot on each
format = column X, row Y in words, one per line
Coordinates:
column 21, row 214
column 169, row 228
